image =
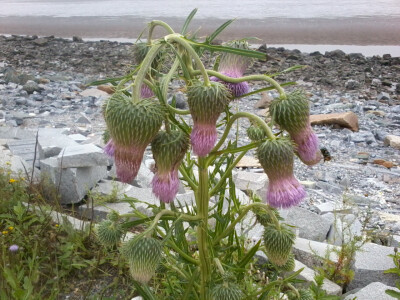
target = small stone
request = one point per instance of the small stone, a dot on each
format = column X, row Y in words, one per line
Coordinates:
column 376, row 82
column 94, row 93
column 264, row 102
column 351, row 84
column 41, row 41
column 248, row 162
column 392, row 141
column 30, row 86
column 347, row 120
column 77, row 39
column 106, row 88
column 385, row 163
column 180, row 101
column 383, row 97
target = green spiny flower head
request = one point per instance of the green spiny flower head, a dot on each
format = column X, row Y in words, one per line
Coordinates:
column 305, row 294
column 143, row 255
column 206, row 103
column 226, row 291
column 289, row 265
column 168, row 149
column 263, row 217
column 256, row 133
column 276, row 158
column 132, row 125
column 293, row 115
column 109, row 233
column 278, row 243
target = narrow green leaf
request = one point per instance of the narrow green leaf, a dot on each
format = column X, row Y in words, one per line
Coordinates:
column 249, row 255
column 296, row 67
column 219, row 30
column 266, row 89
column 186, row 73
column 188, row 20
column 393, row 294
column 237, row 51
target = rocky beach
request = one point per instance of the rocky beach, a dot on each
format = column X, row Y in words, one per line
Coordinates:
column 355, row 107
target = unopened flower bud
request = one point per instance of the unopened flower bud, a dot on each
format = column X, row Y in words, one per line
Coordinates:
column 227, row 291
column 278, row 243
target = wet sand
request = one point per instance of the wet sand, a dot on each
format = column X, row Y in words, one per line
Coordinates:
column 346, row 31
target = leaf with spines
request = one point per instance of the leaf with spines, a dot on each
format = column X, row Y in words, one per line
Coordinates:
column 109, row 233
column 143, row 255
column 278, row 243
column 226, row 291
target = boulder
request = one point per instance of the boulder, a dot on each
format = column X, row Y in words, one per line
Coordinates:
column 309, row 225
column 374, row 290
column 250, row 181
column 392, row 141
column 53, row 140
column 312, row 253
column 346, row 119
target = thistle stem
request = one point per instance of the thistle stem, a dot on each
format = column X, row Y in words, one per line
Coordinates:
column 202, row 70
column 202, row 199
column 153, row 25
column 242, row 214
column 146, row 63
column 249, row 116
column 274, row 83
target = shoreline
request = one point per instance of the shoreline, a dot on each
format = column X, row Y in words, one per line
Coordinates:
column 346, row 31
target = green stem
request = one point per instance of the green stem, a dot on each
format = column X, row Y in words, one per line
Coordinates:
column 146, row 63
column 242, row 214
column 247, row 78
column 249, row 116
column 153, row 25
column 202, row 199
column 177, row 38
column 226, row 174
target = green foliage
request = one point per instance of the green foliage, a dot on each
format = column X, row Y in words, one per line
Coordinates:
column 395, row 270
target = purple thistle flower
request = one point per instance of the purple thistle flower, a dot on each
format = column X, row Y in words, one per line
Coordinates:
column 285, row 192
column 203, row 138
column 236, row 89
column 13, row 248
column 307, row 146
column 146, row 92
column 127, row 161
column 109, row 148
column 276, row 158
column 166, row 185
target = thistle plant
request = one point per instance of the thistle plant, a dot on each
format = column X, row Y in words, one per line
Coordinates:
column 185, row 145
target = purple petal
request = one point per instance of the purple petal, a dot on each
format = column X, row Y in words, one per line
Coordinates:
column 285, row 192
column 146, row 92
column 165, row 186
column 203, row 138
column 127, row 161
column 109, row 149
column 307, row 146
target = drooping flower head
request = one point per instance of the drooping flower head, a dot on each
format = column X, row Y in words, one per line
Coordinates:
column 132, row 126
column 278, row 243
column 276, row 158
column 293, row 115
column 234, row 65
column 143, row 255
column 206, row 103
column 168, row 149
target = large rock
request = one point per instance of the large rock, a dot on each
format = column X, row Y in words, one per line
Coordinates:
column 309, row 225
column 392, row 141
column 312, row 253
column 347, row 120
column 370, row 263
column 373, row 291
column 73, row 183
column 79, row 156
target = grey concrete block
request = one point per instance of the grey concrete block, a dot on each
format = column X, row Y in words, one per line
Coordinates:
column 82, row 156
column 309, row 225
column 373, row 291
column 26, row 150
column 53, row 140
column 16, row 133
column 99, row 212
column 312, row 253
column 370, row 263
column 73, row 183
column 250, row 181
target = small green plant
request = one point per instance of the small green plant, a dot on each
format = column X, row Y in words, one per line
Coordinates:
column 395, row 270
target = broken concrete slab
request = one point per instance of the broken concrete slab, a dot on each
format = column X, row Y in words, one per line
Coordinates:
column 370, row 263
column 374, row 290
column 345, row 119
column 28, row 149
column 73, row 183
column 16, row 133
column 79, row 156
column 99, row 212
column 250, row 181
column 53, row 140
column 312, row 253
column 309, row 225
